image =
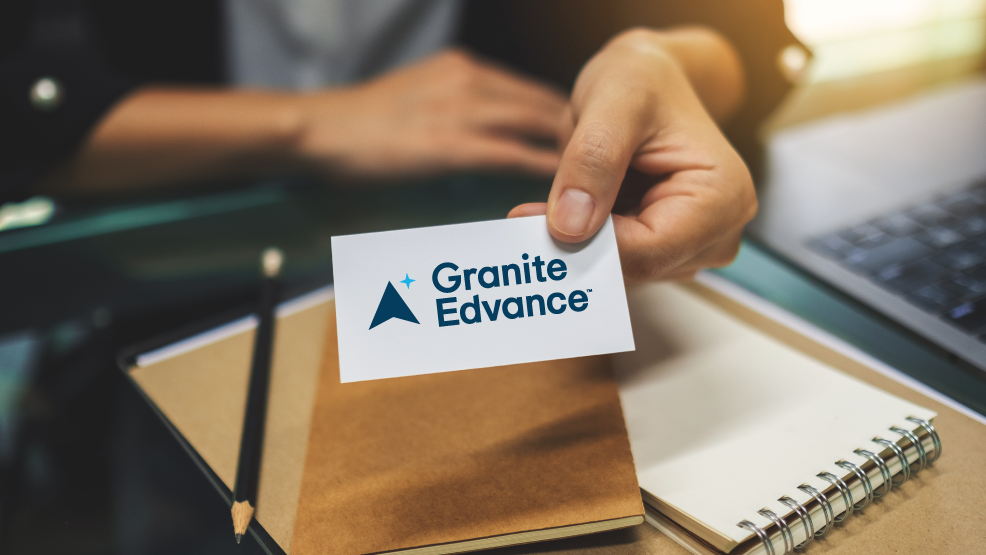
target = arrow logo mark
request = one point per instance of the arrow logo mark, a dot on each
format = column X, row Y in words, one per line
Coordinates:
column 392, row 306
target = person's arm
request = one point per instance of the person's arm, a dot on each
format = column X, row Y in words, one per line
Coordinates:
column 552, row 39
column 158, row 135
column 710, row 63
column 446, row 113
column 646, row 103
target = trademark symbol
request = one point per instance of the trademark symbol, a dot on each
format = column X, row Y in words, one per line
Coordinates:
column 589, row 290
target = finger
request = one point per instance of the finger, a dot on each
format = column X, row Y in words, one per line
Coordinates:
column 499, row 84
column 611, row 126
column 565, row 128
column 702, row 226
column 497, row 153
column 529, row 209
column 718, row 255
column 721, row 253
column 680, row 275
column 517, row 118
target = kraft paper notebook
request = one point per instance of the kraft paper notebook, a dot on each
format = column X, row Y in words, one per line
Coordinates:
column 731, row 428
column 440, row 463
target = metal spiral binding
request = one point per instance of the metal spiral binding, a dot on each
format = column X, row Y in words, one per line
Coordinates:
column 768, row 545
column 922, row 454
column 847, row 499
column 864, row 479
column 888, row 478
column 828, row 512
column 786, row 534
column 905, row 472
column 802, row 513
column 932, row 431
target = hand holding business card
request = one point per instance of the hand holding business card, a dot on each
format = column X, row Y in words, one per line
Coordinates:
column 437, row 299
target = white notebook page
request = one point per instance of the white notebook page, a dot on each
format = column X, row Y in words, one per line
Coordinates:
column 724, row 420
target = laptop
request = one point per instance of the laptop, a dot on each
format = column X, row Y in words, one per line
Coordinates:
column 889, row 205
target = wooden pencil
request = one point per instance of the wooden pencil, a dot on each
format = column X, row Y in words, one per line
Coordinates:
column 252, row 440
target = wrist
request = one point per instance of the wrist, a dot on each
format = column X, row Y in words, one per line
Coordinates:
column 704, row 57
column 317, row 126
column 282, row 131
column 656, row 68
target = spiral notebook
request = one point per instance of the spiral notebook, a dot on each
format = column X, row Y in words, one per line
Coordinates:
column 746, row 446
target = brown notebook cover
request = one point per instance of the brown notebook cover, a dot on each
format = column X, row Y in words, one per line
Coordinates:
column 440, row 463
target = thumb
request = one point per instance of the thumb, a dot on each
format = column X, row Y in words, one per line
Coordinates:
column 592, row 167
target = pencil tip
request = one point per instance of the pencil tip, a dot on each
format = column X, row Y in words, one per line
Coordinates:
column 270, row 261
column 238, row 537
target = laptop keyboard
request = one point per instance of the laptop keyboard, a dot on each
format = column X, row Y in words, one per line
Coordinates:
column 933, row 255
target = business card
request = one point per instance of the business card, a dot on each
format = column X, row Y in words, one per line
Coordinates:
column 457, row 297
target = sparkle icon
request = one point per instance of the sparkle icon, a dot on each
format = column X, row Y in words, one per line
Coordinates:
column 407, row 281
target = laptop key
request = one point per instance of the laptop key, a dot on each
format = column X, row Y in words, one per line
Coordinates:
column 962, row 203
column 898, row 225
column 934, row 299
column 978, row 272
column 939, row 237
column 905, row 278
column 865, row 236
column 978, row 192
column 961, row 257
column 832, row 246
column 970, row 317
column 977, row 246
column 929, row 214
column 971, row 226
column 899, row 250
column 965, row 287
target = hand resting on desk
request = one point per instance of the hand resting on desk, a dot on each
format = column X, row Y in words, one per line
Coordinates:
column 447, row 113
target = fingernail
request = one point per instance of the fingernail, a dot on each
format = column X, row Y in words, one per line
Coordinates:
column 573, row 212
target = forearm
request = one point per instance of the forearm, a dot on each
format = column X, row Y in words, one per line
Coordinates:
column 160, row 135
column 709, row 61
column 446, row 113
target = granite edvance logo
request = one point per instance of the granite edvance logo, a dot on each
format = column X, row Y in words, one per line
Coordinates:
column 447, row 279
column 392, row 305
column 478, row 295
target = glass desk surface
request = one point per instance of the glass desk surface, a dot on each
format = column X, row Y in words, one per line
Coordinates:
column 87, row 467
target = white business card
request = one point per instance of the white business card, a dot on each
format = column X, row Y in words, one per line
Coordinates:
column 437, row 299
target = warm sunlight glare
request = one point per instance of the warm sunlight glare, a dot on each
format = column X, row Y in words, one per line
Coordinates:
column 854, row 37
